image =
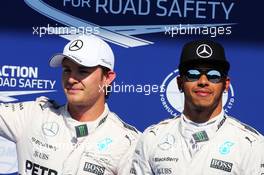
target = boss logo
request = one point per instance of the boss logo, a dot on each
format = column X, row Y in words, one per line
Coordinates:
column 221, row 165
column 92, row 168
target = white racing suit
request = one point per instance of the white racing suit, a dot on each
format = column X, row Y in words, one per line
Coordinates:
column 232, row 149
column 50, row 142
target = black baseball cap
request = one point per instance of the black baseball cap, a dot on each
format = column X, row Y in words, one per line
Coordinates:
column 203, row 51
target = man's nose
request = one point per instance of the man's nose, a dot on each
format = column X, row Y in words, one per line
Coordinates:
column 203, row 81
column 72, row 78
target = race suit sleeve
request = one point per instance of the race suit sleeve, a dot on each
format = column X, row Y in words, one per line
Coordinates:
column 140, row 160
column 12, row 120
column 15, row 118
column 254, row 160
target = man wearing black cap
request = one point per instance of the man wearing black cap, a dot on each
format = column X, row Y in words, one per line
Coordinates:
column 203, row 139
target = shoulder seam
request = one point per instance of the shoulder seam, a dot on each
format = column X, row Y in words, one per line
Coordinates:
column 124, row 125
column 244, row 127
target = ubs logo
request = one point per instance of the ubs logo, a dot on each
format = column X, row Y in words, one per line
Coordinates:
column 173, row 100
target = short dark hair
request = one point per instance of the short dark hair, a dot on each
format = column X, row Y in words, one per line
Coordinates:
column 105, row 70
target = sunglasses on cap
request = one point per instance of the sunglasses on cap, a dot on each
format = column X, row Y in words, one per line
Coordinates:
column 213, row 75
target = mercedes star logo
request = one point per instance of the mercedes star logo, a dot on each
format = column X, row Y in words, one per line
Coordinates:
column 167, row 142
column 76, row 45
column 204, row 51
column 50, row 129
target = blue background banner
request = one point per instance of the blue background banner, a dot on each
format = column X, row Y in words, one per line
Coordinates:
column 146, row 38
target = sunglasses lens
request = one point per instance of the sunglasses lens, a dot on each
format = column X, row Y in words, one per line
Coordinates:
column 214, row 76
column 193, row 75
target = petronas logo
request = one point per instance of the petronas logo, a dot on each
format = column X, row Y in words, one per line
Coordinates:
column 81, row 130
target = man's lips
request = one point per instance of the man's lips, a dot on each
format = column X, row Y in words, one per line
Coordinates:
column 202, row 92
column 73, row 90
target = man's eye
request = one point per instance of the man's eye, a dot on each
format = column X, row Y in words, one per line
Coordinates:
column 66, row 70
column 84, row 72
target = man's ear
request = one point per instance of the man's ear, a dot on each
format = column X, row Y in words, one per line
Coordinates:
column 227, row 84
column 109, row 77
column 180, row 83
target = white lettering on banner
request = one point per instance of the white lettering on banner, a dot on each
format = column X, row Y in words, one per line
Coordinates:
column 78, row 3
column 198, row 9
column 23, row 77
column 17, row 71
column 35, row 83
column 6, row 82
column 142, row 7
column 172, row 8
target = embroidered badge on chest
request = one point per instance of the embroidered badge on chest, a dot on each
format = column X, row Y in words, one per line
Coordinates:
column 225, row 148
column 81, row 130
column 200, row 136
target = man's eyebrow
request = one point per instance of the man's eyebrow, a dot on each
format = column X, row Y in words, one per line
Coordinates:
column 87, row 68
column 83, row 67
column 65, row 66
